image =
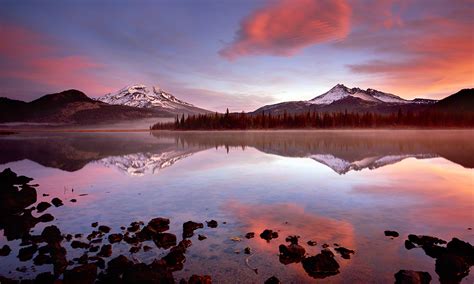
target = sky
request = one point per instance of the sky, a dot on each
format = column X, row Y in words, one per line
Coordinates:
column 234, row 54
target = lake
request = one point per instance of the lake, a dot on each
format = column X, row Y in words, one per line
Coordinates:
column 336, row 188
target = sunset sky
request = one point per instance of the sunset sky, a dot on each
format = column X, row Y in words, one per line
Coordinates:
column 237, row 54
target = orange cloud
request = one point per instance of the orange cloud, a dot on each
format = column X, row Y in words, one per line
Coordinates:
column 287, row 26
column 33, row 57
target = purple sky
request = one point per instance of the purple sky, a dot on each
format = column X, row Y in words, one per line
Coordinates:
column 237, row 54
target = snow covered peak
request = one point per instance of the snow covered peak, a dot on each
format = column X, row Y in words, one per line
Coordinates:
column 340, row 92
column 139, row 95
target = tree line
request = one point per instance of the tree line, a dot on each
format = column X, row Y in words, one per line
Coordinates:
column 315, row 120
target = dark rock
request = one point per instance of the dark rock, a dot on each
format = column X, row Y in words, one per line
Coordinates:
column 320, row 266
column 325, row 246
column 393, row 234
column 93, row 235
column 175, row 258
column 312, row 243
column 45, row 194
column 147, row 248
column 44, row 278
column 451, row 268
column 42, row 206
column 142, row 273
column 58, row 255
column 200, row 279
column 41, row 259
column 247, row 250
column 412, row 277
column 105, row 251
column 118, row 264
column 344, row 252
column 272, row 280
column 409, row 245
column 189, row 228
column 95, row 224
column 83, row 274
column 73, row 200
column 135, row 249
column 462, row 249
column 104, row 229
column 51, row 234
column 134, row 226
column 77, row 236
column 5, row 250
column 78, row 244
column 27, row 253
column 68, row 237
column 250, row 235
column 292, row 239
column 293, row 253
column 158, row 225
column 45, row 218
column 115, row 238
column 212, row 224
column 97, row 261
column 165, row 240
column 57, row 202
column 425, row 240
column 94, row 248
column 268, row 235
column 201, row 237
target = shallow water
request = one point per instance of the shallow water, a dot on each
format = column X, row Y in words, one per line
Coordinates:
column 344, row 187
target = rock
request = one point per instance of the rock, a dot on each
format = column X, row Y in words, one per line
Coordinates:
column 320, row 266
column 292, row 239
column 104, row 229
column 344, row 252
column 268, row 235
column 57, row 202
column 86, row 273
column 105, row 251
column 312, row 243
column 51, row 234
column 42, row 206
column 201, row 237
column 45, row 218
column 393, row 234
column 27, row 253
column 250, row 235
column 462, row 249
column 212, row 224
column 175, row 258
column 198, row 279
column 412, row 277
column 73, row 200
column 78, row 244
column 94, row 248
column 58, row 255
column 325, row 246
column 68, row 237
column 165, row 240
column 142, row 273
column 135, row 249
column 5, row 250
column 45, row 194
column 158, row 225
column 95, row 224
column 44, row 278
column 451, row 268
column 247, row 250
column 115, row 238
column 293, row 253
column 134, row 226
column 77, row 236
column 41, row 259
column 147, row 248
column 409, row 245
column 425, row 240
column 272, row 280
column 189, row 228
column 118, row 264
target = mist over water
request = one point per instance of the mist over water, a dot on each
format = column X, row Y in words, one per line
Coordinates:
column 343, row 187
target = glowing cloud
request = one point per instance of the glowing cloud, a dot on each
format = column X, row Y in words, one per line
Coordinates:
column 286, row 27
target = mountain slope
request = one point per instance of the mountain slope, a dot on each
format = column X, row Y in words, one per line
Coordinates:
column 155, row 98
column 460, row 102
column 71, row 106
column 341, row 98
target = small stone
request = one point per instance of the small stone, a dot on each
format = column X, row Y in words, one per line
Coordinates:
column 57, row 202
column 212, row 224
column 247, row 250
column 393, row 234
column 268, row 235
column 73, row 200
column 250, row 235
column 104, row 229
column 95, row 224
column 115, row 238
column 42, row 206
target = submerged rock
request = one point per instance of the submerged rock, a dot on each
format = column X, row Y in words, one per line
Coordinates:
column 321, row 265
column 412, row 277
column 78, row 244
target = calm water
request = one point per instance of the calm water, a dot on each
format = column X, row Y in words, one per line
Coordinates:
column 344, row 187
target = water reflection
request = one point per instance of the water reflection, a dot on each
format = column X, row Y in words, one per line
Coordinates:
column 141, row 154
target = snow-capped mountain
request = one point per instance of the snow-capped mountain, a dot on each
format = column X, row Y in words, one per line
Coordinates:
column 340, row 92
column 142, row 96
column 342, row 98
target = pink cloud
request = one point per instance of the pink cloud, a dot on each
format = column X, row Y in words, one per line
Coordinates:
column 287, row 26
column 36, row 58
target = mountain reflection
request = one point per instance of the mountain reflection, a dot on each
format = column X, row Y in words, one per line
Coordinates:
column 143, row 153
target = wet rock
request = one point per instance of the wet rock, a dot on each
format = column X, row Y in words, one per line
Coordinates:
column 44, row 278
column 292, row 239
column 247, row 250
column 462, row 249
column 158, row 225
column 412, row 277
column 142, row 273
column 189, row 228
column 272, row 280
column 165, row 240
column 51, row 234
column 312, row 243
column 73, row 200
column 292, row 253
column 200, row 279
column 147, row 248
column 425, row 240
column 5, row 280
column 409, row 245
column 344, row 252
column 115, row 238
column 77, row 236
column 68, row 237
column 134, row 226
column 83, row 274
column 98, row 261
column 42, row 206
column 79, row 245
column 93, row 235
column 134, row 249
column 250, row 235
column 57, row 202
column 320, row 266
column 393, row 234
column 27, row 253
column 105, row 251
column 58, row 255
column 201, row 237
column 45, row 194
column 175, row 258
column 5, row 250
column 42, row 259
column 118, row 264
column 95, row 224
column 45, row 218
column 104, row 229
column 212, row 224
column 269, row 234
column 131, row 240
column 451, row 268
column 94, row 248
